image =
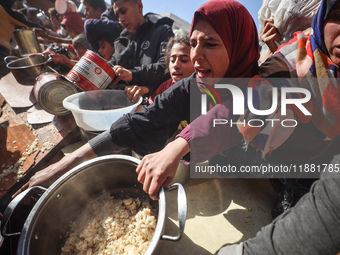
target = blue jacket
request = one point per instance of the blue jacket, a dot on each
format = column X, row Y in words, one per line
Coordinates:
column 143, row 52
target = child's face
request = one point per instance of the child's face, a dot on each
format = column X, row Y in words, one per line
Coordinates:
column 105, row 49
column 180, row 65
column 91, row 13
column 70, row 32
column 129, row 15
column 55, row 21
column 80, row 51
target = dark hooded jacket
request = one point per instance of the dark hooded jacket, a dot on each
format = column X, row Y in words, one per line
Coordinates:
column 143, row 52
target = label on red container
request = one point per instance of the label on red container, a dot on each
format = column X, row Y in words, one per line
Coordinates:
column 91, row 72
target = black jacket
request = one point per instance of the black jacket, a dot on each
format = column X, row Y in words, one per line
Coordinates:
column 147, row 131
column 143, row 52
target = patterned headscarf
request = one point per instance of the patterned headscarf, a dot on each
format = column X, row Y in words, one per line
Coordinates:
column 235, row 26
column 318, row 24
column 307, row 57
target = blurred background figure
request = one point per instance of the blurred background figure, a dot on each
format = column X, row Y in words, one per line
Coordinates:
column 80, row 45
column 56, row 19
column 101, row 34
column 32, row 13
column 10, row 20
column 94, row 8
column 178, row 65
column 279, row 19
column 73, row 24
column 37, row 15
column 109, row 14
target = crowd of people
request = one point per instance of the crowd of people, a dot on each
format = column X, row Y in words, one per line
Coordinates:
column 173, row 70
column 64, row 30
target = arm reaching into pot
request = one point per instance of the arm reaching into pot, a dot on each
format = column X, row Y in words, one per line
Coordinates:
column 159, row 169
column 143, row 132
column 61, row 59
column 51, row 38
column 51, row 173
column 155, row 170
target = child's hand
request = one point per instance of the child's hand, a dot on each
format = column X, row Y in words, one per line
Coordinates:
column 122, row 74
column 270, row 34
column 134, row 92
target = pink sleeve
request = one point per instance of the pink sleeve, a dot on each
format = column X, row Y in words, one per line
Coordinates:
column 207, row 140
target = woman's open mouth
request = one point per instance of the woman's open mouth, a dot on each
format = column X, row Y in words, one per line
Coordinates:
column 202, row 72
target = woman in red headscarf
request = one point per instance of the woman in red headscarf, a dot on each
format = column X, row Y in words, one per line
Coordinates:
column 224, row 44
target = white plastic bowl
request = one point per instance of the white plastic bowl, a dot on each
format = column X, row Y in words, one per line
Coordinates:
column 97, row 110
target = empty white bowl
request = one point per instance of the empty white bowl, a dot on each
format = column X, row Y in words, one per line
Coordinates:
column 96, row 110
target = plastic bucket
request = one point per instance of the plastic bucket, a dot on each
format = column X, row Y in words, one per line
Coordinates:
column 97, row 110
column 91, row 72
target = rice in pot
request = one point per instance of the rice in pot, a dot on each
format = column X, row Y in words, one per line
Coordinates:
column 112, row 226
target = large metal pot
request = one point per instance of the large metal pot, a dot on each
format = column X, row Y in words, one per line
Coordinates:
column 27, row 41
column 45, row 228
column 26, row 69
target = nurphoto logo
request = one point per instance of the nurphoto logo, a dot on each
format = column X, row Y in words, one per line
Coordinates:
column 240, row 101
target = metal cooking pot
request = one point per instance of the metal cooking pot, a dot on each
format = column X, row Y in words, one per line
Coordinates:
column 45, row 228
column 45, row 21
column 27, row 69
column 27, row 41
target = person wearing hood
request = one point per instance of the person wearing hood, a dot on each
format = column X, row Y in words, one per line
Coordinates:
column 139, row 51
column 101, row 34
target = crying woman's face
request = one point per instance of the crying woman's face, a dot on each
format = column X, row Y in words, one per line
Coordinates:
column 208, row 52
